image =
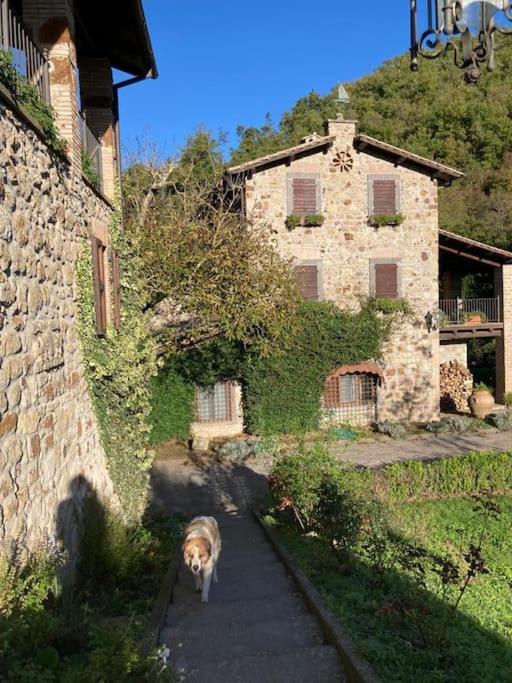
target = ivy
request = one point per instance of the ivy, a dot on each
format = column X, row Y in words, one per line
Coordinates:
column 89, row 169
column 119, row 368
column 28, row 95
column 282, row 392
column 172, row 405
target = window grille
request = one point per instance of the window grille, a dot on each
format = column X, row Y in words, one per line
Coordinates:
column 215, row 403
column 352, row 398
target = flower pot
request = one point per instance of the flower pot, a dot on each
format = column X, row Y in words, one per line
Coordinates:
column 473, row 320
column 481, row 404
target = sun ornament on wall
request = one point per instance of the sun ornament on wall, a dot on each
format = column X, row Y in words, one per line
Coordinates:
column 344, row 160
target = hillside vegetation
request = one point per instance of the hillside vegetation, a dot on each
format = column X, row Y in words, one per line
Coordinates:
column 434, row 114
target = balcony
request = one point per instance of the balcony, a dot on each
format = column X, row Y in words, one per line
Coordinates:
column 469, row 318
column 91, row 155
column 30, row 62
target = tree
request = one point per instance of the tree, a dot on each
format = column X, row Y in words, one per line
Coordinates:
column 210, row 271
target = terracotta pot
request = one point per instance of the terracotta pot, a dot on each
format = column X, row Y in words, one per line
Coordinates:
column 474, row 319
column 481, row 404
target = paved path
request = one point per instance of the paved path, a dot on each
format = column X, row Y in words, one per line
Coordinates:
column 255, row 627
column 387, row 451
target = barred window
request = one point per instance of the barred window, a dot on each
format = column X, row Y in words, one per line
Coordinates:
column 352, row 397
column 215, row 403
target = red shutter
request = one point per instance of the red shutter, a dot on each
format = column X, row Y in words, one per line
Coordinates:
column 304, row 196
column 98, row 265
column 307, row 281
column 116, row 287
column 384, row 197
column 386, row 280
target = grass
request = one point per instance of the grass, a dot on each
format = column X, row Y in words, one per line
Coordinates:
column 412, row 633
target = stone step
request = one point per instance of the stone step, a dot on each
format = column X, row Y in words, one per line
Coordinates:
column 314, row 665
column 261, row 638
column 241, row 612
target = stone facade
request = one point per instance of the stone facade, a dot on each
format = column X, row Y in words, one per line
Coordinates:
column 345, row 246
column 50, row 453
column 504, row 343
column 454, row 352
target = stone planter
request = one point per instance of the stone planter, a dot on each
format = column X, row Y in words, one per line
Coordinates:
column 481, row 404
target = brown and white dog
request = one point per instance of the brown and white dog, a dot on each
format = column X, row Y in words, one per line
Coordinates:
column 201, row 550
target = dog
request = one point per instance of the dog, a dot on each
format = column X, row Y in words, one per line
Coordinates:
column 201, row 550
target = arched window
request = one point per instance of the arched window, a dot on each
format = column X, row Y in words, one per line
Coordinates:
column 350, row 393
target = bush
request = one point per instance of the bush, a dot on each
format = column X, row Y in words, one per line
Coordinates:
column 460, row 424
column 172, row 405
column 502, row 421
column 413, row 480
column 392, row 429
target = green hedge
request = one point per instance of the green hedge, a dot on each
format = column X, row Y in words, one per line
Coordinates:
column 445, row 478
column 172, row 405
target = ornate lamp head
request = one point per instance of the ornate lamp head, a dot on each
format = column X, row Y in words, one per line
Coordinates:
column 467, row 27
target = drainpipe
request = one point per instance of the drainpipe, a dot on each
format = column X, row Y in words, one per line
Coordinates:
column 117, row 87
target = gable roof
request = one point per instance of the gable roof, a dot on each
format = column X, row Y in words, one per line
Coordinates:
column 276, row 157
column 401, row 157
column 469, row 248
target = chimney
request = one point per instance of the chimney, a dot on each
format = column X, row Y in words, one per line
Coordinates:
column 344, row 130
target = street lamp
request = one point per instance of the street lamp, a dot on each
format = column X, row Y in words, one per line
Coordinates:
column 467, row 27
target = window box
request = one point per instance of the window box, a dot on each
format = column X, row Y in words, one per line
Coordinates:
column 380, row 220
column 308, row 221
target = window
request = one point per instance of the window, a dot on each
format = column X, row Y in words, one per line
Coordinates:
column 98, row 264
column 304, row 194
column 116, row 289
column 385, row 279
column 215, row 403
column 307, row 278
column 352, row 397
column 384, row 195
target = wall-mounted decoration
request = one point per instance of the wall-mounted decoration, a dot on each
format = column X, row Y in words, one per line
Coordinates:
column 344, row 160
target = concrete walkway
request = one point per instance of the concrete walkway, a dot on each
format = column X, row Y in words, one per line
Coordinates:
column 255, row 627
column 387, row 451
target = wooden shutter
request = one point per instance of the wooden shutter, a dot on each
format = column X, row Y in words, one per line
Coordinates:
column 386, row 280
column 304, row 196
column 384, row 198
column 98, row 265
column 116, row 287
column 307, row 281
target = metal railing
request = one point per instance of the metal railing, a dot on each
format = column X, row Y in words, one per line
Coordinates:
column 91, row 147
column 28, row 60
column 469, row 311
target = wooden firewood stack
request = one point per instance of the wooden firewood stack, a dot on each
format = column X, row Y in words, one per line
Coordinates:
column 456, row 385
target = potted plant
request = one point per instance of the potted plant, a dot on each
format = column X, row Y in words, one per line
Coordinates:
column 474, row 318
column 481, row 401
column 379, row 220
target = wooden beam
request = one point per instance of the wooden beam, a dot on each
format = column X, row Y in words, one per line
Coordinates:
column 465, row 254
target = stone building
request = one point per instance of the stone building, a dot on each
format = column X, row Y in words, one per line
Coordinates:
column 50, row 452
column 359, row 218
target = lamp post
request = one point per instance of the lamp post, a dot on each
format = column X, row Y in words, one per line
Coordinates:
column 466, row 27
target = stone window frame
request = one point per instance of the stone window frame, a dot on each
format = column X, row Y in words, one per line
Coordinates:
column 228, row 404
column 319, row 274
column 290, row 177
column 398, row 189
column 387, row 261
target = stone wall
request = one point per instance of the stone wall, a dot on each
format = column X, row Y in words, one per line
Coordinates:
column 345, row 245
column 50, row 453
column 457, row 352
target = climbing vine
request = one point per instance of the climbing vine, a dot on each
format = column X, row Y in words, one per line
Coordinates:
column 119, row 368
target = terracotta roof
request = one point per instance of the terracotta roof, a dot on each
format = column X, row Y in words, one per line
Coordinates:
column 368, row 367
column 283, row 154
column 401, row 156
column 458, row 244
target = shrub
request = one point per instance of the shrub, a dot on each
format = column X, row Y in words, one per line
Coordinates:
column 172, row 405
column 482, row 387
column 392, row 429
column 507, row 399
column 313, row 220
column 454, row 423
column 89, row 169
column 380, row 220
column 293, row 222
column 502, row 421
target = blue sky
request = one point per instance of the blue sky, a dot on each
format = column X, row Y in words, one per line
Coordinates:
column 226, row 62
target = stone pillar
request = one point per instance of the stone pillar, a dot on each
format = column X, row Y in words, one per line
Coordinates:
column 344, row 131
column 98, row 102
column 504, row 343
column 52, row 24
